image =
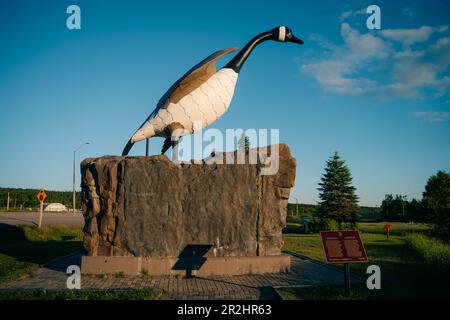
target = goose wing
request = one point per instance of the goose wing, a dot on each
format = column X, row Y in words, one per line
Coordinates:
column 191, row 80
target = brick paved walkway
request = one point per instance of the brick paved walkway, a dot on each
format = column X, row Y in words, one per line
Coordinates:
column 304, row 272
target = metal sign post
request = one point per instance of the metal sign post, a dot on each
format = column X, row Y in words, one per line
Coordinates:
column 40, row 215
column 343, row 247
column 347, row 279
column 41, row 197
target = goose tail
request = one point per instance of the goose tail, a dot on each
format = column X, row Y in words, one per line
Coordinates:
column 127, row 148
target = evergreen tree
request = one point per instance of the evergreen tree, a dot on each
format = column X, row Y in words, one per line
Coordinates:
column 338, row 199
column 244, row 143
column 247, row 143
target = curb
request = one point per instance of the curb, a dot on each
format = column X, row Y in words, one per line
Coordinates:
column 282, row 296
column 331, row 267
column 60, row 258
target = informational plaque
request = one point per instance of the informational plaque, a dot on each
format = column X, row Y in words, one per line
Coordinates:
column 343, row 246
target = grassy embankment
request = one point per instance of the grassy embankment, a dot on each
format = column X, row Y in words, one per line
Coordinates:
column 409, row 263
column 24, row 248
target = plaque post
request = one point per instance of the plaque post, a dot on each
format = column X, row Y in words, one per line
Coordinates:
column 347, row 279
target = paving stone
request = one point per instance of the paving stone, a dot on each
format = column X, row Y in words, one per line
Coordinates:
column 304, row 272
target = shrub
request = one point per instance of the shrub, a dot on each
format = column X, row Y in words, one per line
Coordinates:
column 144, row 272
column 330, row 224
column 292, row 219
column 434, row 252
column 314, row 226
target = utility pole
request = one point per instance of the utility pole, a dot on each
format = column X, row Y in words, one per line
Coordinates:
column 403, row 206
column 146, row 147
column 7, row 203
column 296, row 204
column 73, row 180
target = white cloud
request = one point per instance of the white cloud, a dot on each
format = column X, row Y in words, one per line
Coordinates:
column 335, row 74
column 346, row 14
column 408, row 37
column 440, row 53
column 324, row 43
column 432, row 116
column 373, row 63
column 421, row 69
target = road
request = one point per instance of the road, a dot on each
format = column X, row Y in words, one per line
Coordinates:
column 48, row 218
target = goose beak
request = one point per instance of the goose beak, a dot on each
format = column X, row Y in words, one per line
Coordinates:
column 294, row 39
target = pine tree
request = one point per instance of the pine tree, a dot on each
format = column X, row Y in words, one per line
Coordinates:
column 243, row 143
column 338, row 199
column 247, row 143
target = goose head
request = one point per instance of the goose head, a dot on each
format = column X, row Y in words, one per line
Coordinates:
column 284, row 34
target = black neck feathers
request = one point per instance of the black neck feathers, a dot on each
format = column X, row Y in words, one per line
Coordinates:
column 238, row 61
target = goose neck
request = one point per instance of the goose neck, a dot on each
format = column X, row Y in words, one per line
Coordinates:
column 239, row 59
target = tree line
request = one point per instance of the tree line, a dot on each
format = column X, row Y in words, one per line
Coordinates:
column 338, row 206
column 434, row 207
column 312, row 209
column 398, row 208
column 22, row 199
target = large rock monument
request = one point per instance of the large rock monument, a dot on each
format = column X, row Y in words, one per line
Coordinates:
column 171, row 218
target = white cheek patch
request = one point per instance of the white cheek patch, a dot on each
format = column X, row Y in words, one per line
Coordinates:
column 281, row 33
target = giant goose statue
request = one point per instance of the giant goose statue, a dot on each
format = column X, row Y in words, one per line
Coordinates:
column 203, row 94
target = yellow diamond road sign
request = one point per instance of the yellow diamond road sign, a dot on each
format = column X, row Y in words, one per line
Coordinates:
column 41, row 196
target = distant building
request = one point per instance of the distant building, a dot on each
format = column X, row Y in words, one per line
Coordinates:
column 55, row 207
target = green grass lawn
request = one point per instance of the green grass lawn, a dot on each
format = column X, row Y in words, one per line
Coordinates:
column 24, row 248
column 128, row 294
column 332, row 292
column 404, row 275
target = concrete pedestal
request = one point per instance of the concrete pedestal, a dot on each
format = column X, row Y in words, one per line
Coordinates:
column 202, row 267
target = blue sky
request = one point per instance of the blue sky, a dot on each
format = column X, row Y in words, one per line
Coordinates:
column 379, row 97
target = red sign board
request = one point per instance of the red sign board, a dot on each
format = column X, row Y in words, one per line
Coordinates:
column 343, row 246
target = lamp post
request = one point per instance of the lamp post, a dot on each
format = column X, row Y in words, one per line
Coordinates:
column 73, row 180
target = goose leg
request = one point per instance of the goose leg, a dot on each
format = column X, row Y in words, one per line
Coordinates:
column 171, row 142
column 173, row 132
column 175, row 149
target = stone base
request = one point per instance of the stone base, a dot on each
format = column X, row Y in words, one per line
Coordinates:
column 153, row 207
column 211, row 266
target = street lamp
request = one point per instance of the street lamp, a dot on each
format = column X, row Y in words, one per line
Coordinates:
column 73, row 181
